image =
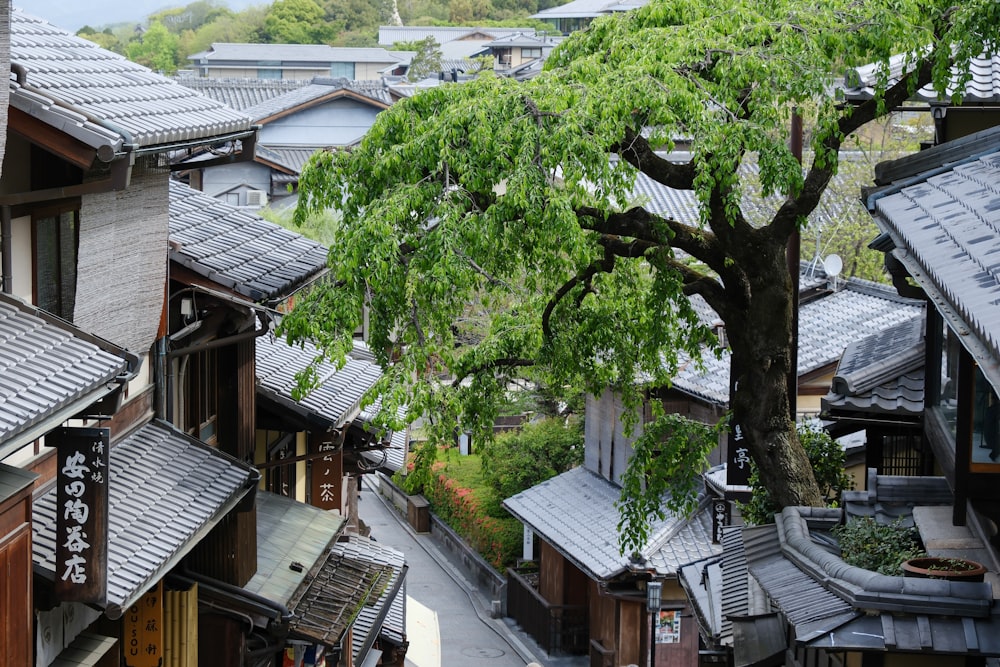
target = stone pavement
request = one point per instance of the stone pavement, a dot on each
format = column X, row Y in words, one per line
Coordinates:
column 448, row 622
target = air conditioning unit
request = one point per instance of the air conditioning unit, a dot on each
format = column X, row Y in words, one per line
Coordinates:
column 256, row 198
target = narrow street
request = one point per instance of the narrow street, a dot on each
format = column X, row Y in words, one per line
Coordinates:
column 447, row 618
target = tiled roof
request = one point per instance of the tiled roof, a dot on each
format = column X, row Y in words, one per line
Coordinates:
column 983, row 85
column 319, row 90
column 166, row 490
column 588, row 8
column 335, row 401
column 80, row 87
column 945, row 224
column 237, row 249
column 830, row 604
column 575, row 512
column 49, row 369
column 240, row 94
column 838, row 204
column 827, row 325
column 289, row 532
column 291, row 54
column 388, row 35
column 883, row 373
column 292, row 158
column 386, row 615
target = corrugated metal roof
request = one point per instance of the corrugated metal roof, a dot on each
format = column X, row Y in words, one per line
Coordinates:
column 289, row 532
column 240, row 94
column 237, row 249
column 983, row 85
column 947, row 225
column 386, row 615
column 48, row 365
column 336, row 401
column 575, row 512
column 166, row 490
column 100, row 91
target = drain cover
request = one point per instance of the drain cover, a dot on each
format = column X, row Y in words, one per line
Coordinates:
column 482, row 652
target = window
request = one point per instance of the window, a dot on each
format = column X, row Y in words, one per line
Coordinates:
column 342, row 70
column 269, row 69
column 528, row 54
column 202, row 414
column 56, row 239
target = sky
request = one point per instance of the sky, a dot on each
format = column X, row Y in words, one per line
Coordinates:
column 98, row 13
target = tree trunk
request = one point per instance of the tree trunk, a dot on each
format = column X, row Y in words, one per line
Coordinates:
column 759, row 328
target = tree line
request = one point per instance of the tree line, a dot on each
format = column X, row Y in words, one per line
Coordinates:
column 164, row 42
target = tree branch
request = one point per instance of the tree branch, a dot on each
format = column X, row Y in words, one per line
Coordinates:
column 635, row 150
column 605, row 265
column 850, row 121
column 504, row 362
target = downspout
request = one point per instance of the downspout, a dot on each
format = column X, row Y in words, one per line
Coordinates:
column 6, row 249
column 222, row 342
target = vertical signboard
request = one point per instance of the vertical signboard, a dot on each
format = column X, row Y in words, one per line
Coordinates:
column 737, row 451
column 143, row 630
column 81, row 513
column 327, row 477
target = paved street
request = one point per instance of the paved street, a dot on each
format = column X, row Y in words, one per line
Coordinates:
column 448, row 622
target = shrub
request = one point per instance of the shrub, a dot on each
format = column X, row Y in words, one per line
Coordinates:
column 518, row 460
column 882, row 548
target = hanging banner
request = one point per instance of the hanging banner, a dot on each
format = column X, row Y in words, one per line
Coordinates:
column 327, row 477
column 81, row 513
column 143, row 630
column 721, row 517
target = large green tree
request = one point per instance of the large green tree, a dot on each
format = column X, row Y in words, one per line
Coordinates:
column 510, row 202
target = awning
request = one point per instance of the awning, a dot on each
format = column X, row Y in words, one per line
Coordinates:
column 327, row 586
column 85, row 651
column 167, row 491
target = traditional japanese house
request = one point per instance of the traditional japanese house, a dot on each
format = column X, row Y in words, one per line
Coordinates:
column 315, row 448
column 231, row 275
column 84, row 231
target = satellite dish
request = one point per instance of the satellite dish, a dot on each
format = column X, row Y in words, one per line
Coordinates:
column 833, row 265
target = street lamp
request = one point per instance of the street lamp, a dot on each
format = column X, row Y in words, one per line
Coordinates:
column 653, row 591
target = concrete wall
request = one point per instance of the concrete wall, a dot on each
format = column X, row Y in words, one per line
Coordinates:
column 339, row 122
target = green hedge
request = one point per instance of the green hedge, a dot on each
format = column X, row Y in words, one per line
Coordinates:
column 468, row 512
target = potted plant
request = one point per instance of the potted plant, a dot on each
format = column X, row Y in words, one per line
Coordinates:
column 939, row 567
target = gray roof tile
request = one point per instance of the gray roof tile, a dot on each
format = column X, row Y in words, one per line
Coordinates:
column 983, row 85
column 238, row 93
column 827, row 325
column 883, row 373
column 948, row 223
column 320, row 89
column 336, row 400
column 575, row 512
column 304, row 54
column 240, row 250
column 47, row 365
column 83, row 88
column 156, row 507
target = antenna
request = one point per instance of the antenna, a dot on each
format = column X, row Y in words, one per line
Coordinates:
column 833, row 265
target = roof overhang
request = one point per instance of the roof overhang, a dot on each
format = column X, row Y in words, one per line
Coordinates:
column 190, row 506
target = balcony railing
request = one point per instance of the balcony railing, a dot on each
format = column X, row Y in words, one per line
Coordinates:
column 558, row 629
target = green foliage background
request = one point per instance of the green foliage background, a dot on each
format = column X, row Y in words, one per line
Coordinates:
column 168, row 37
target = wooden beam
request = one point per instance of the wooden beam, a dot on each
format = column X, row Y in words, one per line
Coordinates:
column 59, row 143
